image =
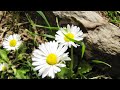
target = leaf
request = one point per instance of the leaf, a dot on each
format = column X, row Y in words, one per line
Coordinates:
column 3, row 55
column 1, row 60
column 84, row 68
column 98, row 62
column 22, row 48
column 83, row 49
column 20, row 74
column 64, row 73
column 21, row 56
column 43, row 16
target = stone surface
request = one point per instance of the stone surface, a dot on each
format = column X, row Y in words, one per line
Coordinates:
column 102, row 39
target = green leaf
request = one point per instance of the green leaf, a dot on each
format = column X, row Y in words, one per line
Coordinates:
column 64, row 73
column 101, row 62
column 3, row 55
column 1, row 60
column 83, row 49
column 22, row 48
column 20, row 56
column 20, row 74
column 43, row 16
column 84, row 68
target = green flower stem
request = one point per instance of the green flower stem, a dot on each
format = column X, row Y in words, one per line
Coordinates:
column 33, row 70
column 71, row 65
column 16, row 54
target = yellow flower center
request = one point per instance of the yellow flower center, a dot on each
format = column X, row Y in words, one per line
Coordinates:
column 4, row 68
column 51, row 59
column 70, row 35
column 13, row 43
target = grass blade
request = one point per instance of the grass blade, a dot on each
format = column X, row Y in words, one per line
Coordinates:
column 43, row 16
column 97, row 61
column 57, row 22
column 45, row 35
column 53, row 28
column 3, row 55
column 83, row 49
column 30, row 21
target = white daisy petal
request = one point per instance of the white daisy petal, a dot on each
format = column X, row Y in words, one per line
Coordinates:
column 35, row 54
column 6, row 46
column 10, row 37
column 51, row 72
column 80, row 33
column 17, row 37
column 56, row 69
column 65, row 57
column 36, row 51
column 42, row 70
column 62, row 51
column 75, row 45
column 39, row 59
column 61, row 65
column 37, row 68
column 45, row 73
column 43, row 49
column 18, row 43
column 36, row 63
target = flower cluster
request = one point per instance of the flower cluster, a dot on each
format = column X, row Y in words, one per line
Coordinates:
column 50, row 56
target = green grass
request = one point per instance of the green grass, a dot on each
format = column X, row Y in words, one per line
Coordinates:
column 114, row 17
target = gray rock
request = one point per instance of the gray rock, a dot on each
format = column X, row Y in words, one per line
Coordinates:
column 102, row 39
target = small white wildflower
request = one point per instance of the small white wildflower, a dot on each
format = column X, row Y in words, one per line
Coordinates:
column 72, row 32
column 3, row 67
column 49, row 58
column 12, row 42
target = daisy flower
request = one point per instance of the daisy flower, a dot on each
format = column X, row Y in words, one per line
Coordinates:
column 49, row 58
column 3, row 67
column 12, row 42
column 72, row 32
